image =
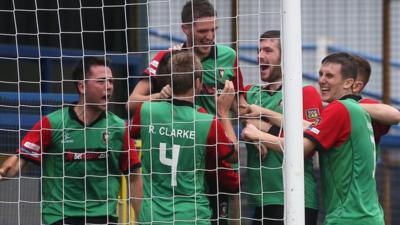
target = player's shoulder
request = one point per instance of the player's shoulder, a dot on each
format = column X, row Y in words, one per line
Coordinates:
column 114, row 119
column 225, row 50
column 309, row 88
column 368, row 100
column 59, row 114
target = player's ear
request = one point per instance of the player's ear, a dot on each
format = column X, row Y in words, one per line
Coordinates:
column 198, row 85
column 187, row 29
column 358, row 86
column 81, row 87
column 348, row 83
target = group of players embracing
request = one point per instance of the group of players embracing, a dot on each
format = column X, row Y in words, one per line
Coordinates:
column 182, row 111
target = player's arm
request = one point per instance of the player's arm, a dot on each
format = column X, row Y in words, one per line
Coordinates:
column 32, row 145
column 223, row 105
column 11, row 167
column 141, row 93
column 274, row 118
column 382, row 113
column 130, row 164
column 136, row 190
column 251, row 133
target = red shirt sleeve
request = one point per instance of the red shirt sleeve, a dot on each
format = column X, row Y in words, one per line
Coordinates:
column 333, row 128
column 135, row 126
column 129, row 158
column 237, row 78
column 312, row 103
column 379, row 129
column 217, row 138
column 152, row 69
column 36, row 141
column 220, row 147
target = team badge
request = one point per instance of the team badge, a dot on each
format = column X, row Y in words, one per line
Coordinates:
column 312, row 114
column 316, row 121
column 221, row 72
column 281, row 103
column 106, row 135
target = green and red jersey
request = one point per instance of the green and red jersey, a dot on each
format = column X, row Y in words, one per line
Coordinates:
column 265, row 175
column 379, row 129
column 175, row 141
column 81, row 164
column 346, row 145
column 220, row 65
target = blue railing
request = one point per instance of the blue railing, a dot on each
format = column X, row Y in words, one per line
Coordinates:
column 135, row 66
column 390, row 141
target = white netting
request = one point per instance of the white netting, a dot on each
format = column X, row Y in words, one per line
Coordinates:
column 40, row 41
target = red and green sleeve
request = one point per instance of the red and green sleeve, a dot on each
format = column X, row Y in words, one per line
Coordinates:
column 333, row 128
column 379, row 129
column 312, row 103
column 152, row 69
column 129, row 159
column 36, row 141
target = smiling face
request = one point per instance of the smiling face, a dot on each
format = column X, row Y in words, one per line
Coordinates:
column 98, row 87
column 269, row 59
column 201, row 35
column 331, row 82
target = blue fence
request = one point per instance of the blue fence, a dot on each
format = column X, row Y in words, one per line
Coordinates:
column 134, row 64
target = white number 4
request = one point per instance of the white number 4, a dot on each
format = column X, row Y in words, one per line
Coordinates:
column 173, row 163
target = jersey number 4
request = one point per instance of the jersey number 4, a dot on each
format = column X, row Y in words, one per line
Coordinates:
column 173, row 162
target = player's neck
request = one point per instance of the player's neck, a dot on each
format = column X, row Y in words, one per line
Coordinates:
column 87, row 114
column 185, row 98
column 273, row 86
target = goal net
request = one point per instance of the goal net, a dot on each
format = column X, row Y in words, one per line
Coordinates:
column 41, row 42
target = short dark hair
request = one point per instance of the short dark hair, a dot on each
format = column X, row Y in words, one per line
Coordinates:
column 83, row 67
column 184, row 67
column 348, row 65
column 364, row 68
column 195, row 9
column 271, row 34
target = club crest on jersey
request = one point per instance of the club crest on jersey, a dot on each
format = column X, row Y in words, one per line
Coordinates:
column 316, row 121
column 106, row 135
column 312, row 113
column 221, row 72
column 281, row 103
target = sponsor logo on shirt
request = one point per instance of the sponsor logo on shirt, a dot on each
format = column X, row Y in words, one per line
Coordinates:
column 32, row 146
column 313, row 129
column 29, row 152
column 75, row 156
column 312, row 113
column 67, row 139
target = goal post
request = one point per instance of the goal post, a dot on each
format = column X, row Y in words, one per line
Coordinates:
column 292, row 107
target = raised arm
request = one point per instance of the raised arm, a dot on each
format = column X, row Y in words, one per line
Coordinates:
column 141, row 93
column 382, row 113
column 224, row 102
column 11, row 167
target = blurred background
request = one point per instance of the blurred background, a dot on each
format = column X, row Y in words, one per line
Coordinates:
column 41, row 40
